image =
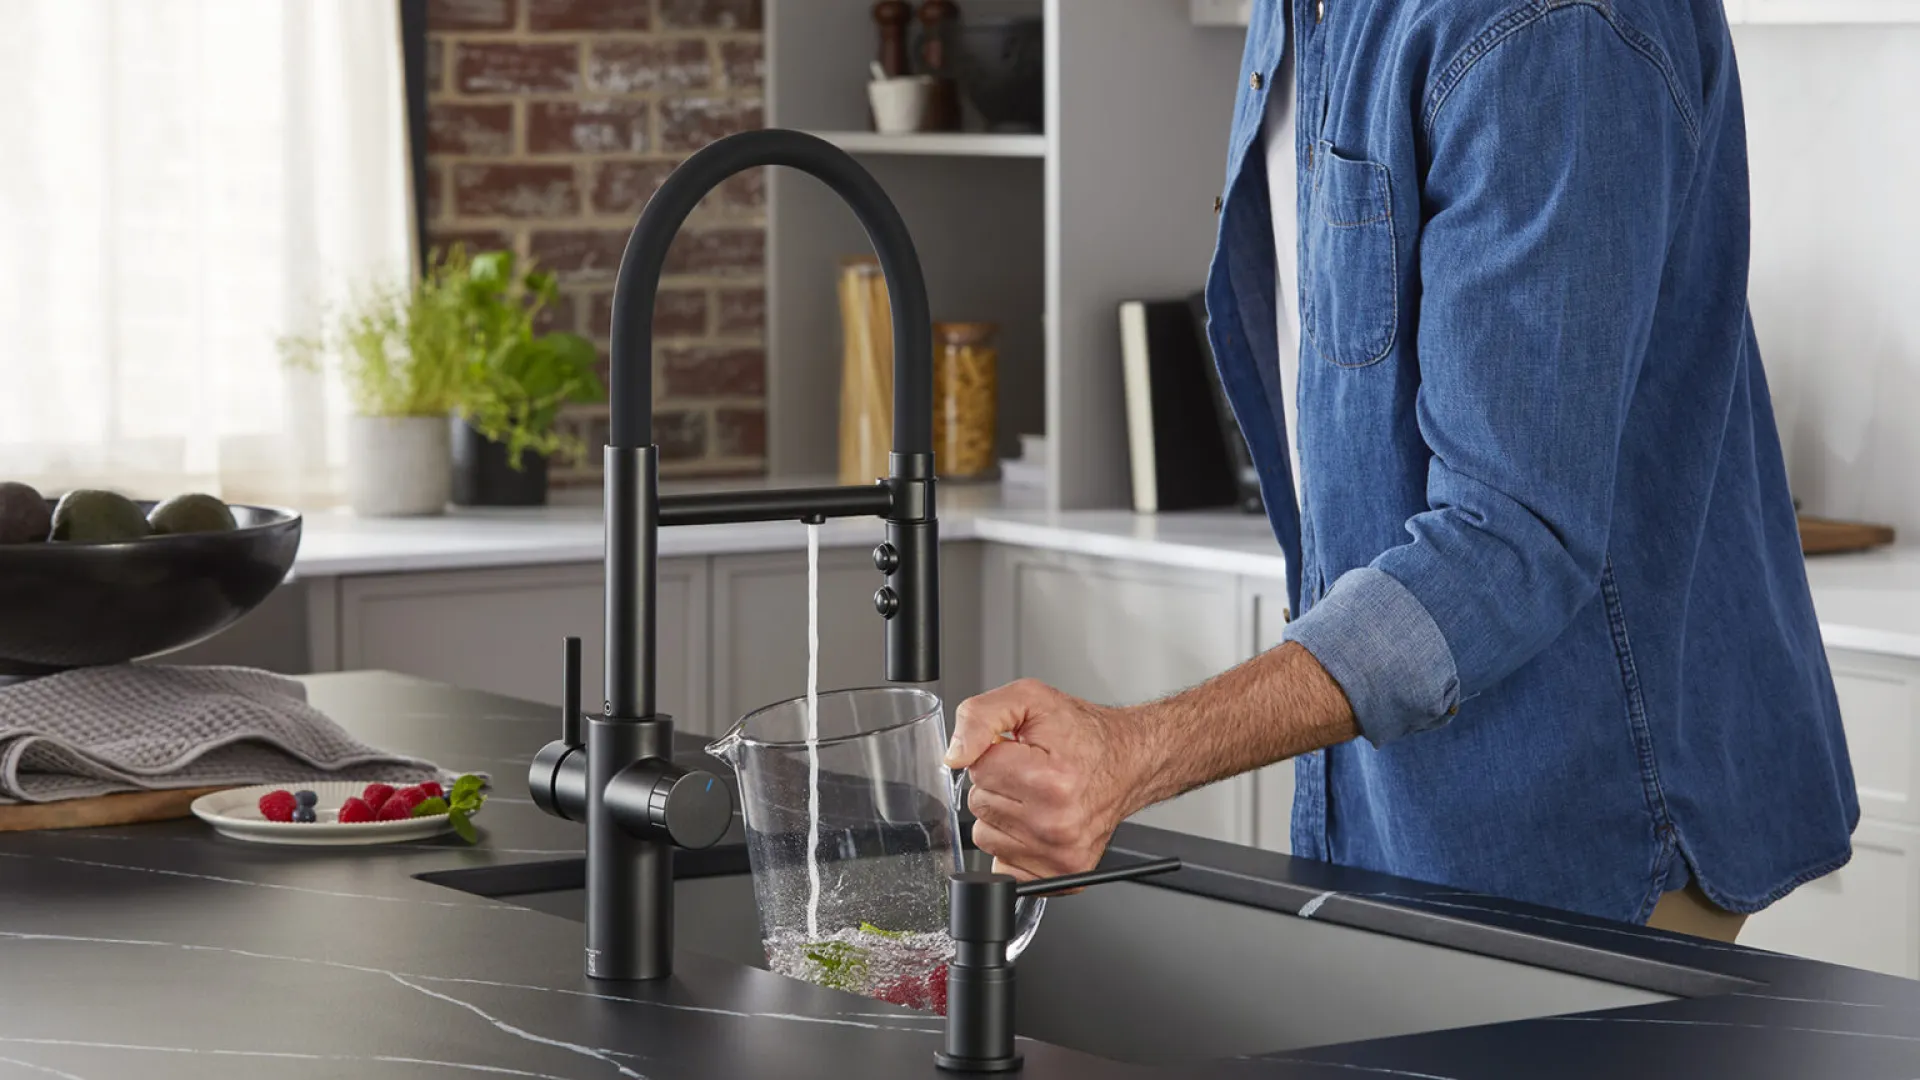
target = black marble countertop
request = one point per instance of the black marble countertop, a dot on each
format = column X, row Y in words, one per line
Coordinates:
column 164, row 951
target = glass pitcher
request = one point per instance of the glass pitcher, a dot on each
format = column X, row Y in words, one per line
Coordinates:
column 862, row 905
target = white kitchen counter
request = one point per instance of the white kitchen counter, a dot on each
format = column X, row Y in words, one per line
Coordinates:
column 1869, row 602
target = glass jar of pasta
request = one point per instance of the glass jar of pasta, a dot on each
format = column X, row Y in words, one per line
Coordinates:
column 965, row 399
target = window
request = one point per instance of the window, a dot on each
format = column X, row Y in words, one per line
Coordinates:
column 183, row 182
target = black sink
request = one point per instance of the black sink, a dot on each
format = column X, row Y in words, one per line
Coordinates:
column 1154, row 974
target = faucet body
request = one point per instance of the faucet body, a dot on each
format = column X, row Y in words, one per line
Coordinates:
column 619, row 779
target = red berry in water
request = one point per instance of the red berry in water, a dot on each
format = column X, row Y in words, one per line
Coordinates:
column 354, row 810
column 937, row 989
column 376, row 795
column 278, row 805
column 905, row 991
column 395, row 810
column 433, row 789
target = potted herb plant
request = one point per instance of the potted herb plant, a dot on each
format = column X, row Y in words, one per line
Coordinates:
column 506, row 424
column 401, row 357
column 454, row 395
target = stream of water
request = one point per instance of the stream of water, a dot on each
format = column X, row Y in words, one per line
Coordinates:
column 813, row 731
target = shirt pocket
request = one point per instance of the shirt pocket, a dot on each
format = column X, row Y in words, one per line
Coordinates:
column 1350, row 283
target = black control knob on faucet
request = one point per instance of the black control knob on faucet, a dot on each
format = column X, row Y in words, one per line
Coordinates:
column 980, row 920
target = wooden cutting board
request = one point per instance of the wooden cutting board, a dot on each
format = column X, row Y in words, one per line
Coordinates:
column 1823, row 536
column 128, row 808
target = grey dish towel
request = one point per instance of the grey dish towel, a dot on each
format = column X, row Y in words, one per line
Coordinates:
column 95, row 731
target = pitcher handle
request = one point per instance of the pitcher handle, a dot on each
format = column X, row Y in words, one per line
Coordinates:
column 1026, row 910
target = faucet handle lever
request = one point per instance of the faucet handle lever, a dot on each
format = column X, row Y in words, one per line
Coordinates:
column 1065, row 882
column 570, row 692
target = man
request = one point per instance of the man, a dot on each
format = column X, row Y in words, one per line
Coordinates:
column 1553, row 636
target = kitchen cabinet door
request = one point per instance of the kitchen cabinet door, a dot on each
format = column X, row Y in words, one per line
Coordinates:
column 1263, row 611
column 1864, row 915
column 500, row 630
column 760, row 628
column 1119, row 632
column 1880, row 709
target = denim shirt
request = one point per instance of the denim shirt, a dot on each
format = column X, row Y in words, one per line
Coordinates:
column 1545, row 542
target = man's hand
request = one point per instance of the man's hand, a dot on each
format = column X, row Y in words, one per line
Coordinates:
column 1053, row 776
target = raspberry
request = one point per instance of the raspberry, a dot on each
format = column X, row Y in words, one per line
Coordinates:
column 433, row 789
column 409, row 797
column 355, row 810
column 277, row 805
column 905, row 991
column 376, row 795
column 937, row 989
column 395, row 810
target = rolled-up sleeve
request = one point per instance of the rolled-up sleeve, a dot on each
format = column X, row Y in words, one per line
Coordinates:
column 1557, row 156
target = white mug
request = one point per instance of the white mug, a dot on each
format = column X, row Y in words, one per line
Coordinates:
column 899, row 104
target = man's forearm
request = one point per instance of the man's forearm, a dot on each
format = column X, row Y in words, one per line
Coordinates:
column 1277, row 705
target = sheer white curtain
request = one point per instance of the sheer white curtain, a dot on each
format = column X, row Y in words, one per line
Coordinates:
column 183, row 182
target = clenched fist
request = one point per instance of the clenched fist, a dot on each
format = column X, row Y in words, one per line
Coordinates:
column 1052, row 776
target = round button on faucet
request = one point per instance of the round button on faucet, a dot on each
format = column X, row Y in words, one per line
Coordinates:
column 886, row 602
column 885, row 558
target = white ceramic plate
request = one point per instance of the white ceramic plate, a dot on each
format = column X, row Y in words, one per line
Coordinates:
column 236, row 813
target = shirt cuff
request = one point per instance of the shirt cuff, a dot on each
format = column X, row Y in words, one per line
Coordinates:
column 1381, row 645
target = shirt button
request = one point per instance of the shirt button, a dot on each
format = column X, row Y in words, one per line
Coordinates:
column 1257, row 81
column 1320, row 11
column 1217, row 203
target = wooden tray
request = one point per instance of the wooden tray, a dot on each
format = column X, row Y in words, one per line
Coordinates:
column 1822, row 536
column 128, row 808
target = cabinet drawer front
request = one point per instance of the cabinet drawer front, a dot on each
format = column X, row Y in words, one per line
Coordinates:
column 1880, row 709
column 1865, row 915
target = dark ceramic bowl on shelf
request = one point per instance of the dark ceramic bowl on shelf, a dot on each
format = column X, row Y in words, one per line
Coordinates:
column 999, row 64
column 65, row 605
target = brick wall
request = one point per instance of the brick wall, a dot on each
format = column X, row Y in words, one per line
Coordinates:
column 551, row 123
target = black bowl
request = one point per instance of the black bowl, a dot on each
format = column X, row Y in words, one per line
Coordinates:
column 1001, row 70
column 65, row 605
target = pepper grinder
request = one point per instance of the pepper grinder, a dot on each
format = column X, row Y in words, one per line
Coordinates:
column 891, row 17
column 979, row 1037
column 937, row 21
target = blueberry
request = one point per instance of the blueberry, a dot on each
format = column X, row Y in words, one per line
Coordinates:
column 303, row 814
column 306, row 798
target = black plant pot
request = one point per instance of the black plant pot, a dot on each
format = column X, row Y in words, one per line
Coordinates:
column 482, row 476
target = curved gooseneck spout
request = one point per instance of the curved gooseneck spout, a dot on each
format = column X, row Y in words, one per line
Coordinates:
column 646, row 256
column 620, row 778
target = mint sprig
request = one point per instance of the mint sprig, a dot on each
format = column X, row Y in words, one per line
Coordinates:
column 463, row 801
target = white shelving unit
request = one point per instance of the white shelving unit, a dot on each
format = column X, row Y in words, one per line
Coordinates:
column 1739, row 12
column 940, row 144
column 1043, row 234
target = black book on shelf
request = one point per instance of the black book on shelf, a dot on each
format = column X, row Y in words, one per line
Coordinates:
column 1179, row 460
column 1246, row 478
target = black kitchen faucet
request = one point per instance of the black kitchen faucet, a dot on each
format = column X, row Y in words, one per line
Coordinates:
column 621, row 780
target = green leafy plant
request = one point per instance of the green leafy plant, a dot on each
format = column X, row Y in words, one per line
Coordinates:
column 463, row 801
column 836, row 965
column 462, row 340
column 517, row 380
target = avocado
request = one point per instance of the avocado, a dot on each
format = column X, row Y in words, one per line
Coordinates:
column 97, row 517
column 194, row 513
column 24, row 518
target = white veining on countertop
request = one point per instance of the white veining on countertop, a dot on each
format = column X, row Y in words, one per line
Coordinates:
column 1307, row 909
column 48, row 1069
column 519, row 1032
column 836, row 1020
column 1377, row 1070
column 292, row 1055
column 1728, row 1024
column 461, row 904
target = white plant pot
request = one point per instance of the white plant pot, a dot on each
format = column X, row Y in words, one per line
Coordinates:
column 398, row 466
